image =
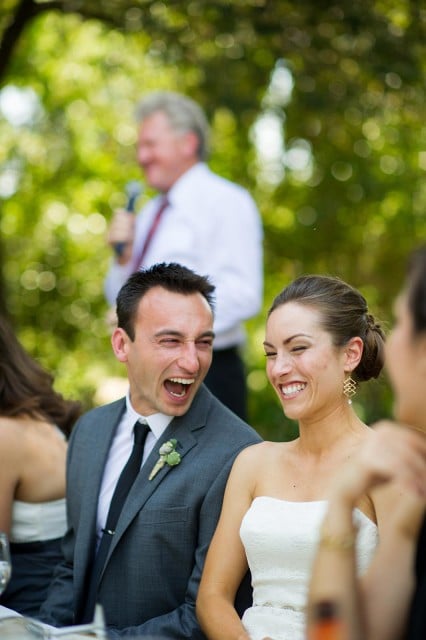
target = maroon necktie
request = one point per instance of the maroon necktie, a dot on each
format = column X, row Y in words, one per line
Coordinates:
column 138, row 261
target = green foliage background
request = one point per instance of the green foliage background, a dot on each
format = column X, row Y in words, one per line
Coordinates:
column 357, row 104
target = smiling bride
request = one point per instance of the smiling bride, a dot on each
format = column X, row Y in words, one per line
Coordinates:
column 320, row 342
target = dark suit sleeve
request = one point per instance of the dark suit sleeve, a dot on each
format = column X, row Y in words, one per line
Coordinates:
column 57, row 609
column 182, row 622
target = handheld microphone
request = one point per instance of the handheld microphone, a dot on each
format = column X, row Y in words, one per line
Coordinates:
column 133, row 190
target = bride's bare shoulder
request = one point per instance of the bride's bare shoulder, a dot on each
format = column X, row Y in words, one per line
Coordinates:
column 263, row 452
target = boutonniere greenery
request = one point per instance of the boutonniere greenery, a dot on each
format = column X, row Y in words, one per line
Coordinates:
column 168, row 455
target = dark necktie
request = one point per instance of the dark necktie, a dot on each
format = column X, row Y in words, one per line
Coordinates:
column 138, row 261
column 124, row 484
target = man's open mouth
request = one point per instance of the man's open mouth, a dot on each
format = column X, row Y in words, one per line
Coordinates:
column 178, row 387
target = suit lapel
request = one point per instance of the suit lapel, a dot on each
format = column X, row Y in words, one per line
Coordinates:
column 99, row 439
column 184, row 430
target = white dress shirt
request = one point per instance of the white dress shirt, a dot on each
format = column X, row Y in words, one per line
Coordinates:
column 212, row 226
column 119, row 453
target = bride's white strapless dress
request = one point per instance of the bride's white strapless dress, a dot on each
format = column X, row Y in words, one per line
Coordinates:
column 280, row 539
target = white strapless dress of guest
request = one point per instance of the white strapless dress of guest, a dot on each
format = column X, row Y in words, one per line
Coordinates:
column 280, row 539
column 38, row 521
column 35, row 545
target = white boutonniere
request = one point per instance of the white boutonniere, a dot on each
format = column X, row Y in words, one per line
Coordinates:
column 168, row 455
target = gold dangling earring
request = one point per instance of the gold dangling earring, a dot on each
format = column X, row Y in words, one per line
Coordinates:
column 349, row 388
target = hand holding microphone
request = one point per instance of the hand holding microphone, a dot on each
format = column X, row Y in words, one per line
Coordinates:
column 121, row 230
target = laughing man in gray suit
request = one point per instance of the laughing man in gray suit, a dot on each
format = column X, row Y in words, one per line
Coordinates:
column 148, row 579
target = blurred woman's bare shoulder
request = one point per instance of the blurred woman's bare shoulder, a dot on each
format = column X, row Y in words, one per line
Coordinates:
column 11, row 432
column 23, row 436
column 13, row 451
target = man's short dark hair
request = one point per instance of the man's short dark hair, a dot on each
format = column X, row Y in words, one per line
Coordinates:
column 171, row 276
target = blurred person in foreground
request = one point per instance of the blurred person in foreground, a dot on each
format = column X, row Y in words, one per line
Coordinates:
column 35, row 422
column 390, row 601
column 206, row 223
column 321, row 340
column 145, row 566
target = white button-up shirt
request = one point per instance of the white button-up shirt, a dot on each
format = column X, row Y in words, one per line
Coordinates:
column 119, row 453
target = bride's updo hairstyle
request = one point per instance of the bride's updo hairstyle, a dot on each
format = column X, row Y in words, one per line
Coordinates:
column 344, row 314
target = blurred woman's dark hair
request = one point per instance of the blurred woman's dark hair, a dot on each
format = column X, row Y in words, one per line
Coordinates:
column 27, row 389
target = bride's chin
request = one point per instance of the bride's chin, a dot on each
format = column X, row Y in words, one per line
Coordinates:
column 291, row 412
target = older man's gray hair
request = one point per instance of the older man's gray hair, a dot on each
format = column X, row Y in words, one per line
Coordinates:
column 183, row 113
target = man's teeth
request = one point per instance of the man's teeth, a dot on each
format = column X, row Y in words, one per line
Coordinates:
column 292, row 388
column 177, row 395
column 179, row 392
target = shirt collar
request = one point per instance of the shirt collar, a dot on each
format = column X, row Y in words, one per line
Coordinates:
column 158, row 422
column 185, row 183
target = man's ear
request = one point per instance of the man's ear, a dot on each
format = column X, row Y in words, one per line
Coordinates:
column 119, row 341
column 353, row 353
column 190, row 144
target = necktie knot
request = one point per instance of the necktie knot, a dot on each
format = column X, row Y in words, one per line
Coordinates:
column 141, row 430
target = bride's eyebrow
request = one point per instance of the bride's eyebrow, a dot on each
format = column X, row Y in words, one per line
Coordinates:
column 297, row 335
column 288, row 340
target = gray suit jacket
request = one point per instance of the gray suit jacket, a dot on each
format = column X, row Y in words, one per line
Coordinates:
column 150, row 580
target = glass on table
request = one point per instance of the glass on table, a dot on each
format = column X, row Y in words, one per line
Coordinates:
column 5, row 562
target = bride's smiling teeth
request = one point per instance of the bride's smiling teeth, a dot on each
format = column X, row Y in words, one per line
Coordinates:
column 290, row 389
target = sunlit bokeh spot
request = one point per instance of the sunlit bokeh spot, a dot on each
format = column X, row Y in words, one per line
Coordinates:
column 19, row 105
column 257, row 380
